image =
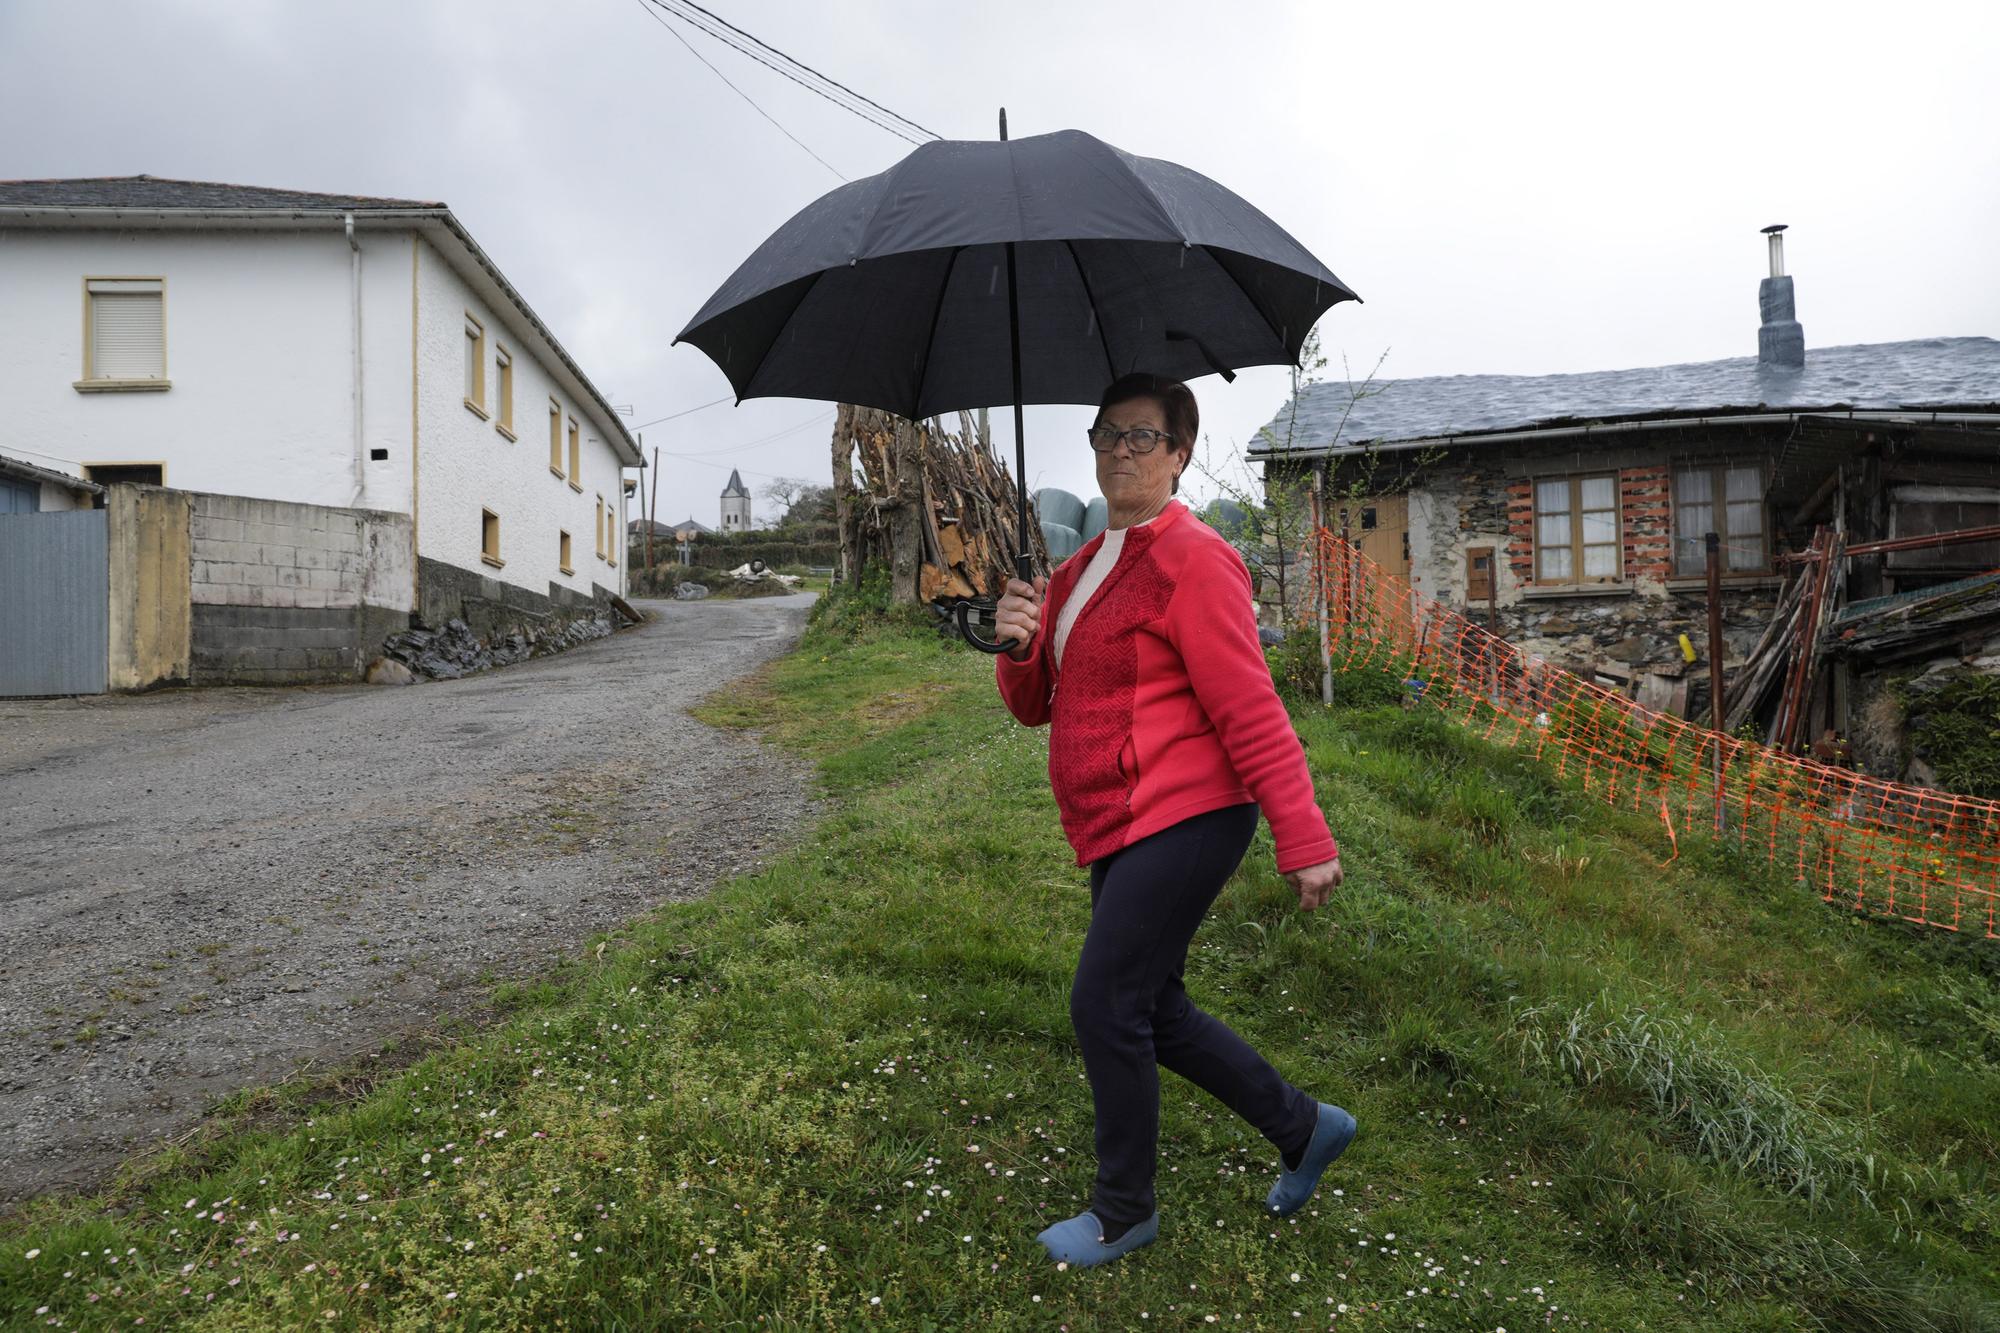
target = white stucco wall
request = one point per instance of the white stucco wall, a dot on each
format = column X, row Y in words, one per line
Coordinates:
column 60, row 499
column 465, row 465
column 259, row 359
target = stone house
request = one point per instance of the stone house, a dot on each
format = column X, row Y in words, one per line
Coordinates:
column 1572, row 509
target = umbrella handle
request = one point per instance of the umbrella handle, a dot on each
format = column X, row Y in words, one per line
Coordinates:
column 963, row 613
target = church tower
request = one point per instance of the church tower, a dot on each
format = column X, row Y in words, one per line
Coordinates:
column 735, row 505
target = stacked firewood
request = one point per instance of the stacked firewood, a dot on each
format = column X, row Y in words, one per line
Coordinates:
column 934, row 504
column 1792, row 650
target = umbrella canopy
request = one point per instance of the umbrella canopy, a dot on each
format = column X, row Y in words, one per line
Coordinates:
column 892, row 292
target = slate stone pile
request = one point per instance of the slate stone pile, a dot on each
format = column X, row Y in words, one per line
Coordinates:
column 690, row 592
column 455, row 651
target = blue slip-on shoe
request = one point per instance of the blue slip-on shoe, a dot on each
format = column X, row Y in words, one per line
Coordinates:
column 1331, row 1136
column 1080, row 1240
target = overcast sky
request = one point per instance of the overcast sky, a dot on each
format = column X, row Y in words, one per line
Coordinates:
column 1512, row 188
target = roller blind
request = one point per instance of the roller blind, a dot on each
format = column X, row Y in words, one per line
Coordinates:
column 127, row 329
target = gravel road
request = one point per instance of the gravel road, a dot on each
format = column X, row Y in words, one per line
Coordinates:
column 207, row 890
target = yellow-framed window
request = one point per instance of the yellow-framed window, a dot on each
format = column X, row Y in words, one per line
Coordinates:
column 562, row 553
column 489, row 538
column 124, row 329
column 475, row 364
column 503, row 390
column 555, row 437
column 575, row 455
column 598, row 527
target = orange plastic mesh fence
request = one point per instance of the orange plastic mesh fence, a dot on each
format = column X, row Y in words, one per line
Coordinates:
column 1882, row 847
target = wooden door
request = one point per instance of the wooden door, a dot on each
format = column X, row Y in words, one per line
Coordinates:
column 1380, row 525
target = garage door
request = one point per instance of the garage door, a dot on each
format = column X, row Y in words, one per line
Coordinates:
column 54, row 603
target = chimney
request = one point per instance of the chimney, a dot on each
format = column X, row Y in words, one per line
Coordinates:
column 1781, row 343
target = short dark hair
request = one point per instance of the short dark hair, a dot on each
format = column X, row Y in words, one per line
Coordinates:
column 1176, row 402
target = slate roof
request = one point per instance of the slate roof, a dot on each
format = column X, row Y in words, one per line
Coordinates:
column 735, row 486
column 1929, row 372
column 152, row 192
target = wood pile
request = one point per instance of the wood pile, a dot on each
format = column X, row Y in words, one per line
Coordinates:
column 935, row 504
column 1792, row 649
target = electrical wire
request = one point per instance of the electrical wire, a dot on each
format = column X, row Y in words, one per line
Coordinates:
column 895, row 115
column 723, row 35
column 813, row 420
column 727, row 33
column 650, row 10
column 726, row 398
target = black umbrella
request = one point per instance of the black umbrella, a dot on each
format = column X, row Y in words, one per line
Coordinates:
column 1037, row 270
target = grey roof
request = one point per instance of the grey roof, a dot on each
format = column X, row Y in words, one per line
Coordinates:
column 16, row 467
column 1929, row 372
column 123, row 201
column 150, row 192
column 735, row 486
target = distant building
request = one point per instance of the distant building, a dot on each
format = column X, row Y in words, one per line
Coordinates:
column 735, row 505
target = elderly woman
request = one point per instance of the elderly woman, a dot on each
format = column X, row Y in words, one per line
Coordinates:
column 1166, row 737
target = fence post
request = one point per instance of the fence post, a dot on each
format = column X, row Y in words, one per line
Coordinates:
column 1713, row 542
column 1319, row 593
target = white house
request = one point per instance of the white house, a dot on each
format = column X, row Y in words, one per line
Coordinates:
column 317, row 349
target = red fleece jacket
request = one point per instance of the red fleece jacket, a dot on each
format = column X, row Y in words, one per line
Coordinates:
column 1164, row 708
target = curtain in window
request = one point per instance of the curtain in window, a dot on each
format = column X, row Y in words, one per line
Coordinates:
column 1552, row 531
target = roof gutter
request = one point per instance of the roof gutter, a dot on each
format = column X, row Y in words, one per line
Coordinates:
column 15, row 467
column 1626, row 427
column 429, row 219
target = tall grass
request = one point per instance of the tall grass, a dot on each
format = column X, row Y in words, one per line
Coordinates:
column 1596, row 1088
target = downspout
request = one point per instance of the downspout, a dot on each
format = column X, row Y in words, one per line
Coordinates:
column 354, row 297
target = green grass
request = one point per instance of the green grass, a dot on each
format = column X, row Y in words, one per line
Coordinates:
column 1595, row 1090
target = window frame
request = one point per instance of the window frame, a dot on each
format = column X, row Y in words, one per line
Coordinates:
column 1576, row 545
column 563, row 556
column 475, row 333
column 503, row 390
column 90, row 470
column 575, row 457
column 489, row 538
column 1718, row 472
column 598, row 527
column 555, row 437
column 91, row 382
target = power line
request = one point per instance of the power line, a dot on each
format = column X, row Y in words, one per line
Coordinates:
column 714, row 20
column 726, row 398
column 896, row 115
column 813, row 420
column 738, row 91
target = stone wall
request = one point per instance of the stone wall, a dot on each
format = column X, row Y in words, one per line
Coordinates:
column 1464, row 499
column 291, row 593
column 1638, row 621
column 494, row 610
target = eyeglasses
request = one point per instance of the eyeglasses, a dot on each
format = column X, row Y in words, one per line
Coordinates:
column 1141, row 440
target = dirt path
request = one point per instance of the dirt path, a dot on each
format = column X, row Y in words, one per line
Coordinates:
column 204, row 890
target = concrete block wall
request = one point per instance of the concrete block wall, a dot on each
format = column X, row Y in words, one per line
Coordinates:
column 293, row 593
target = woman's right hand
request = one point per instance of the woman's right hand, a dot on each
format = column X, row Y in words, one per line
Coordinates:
column 1019, row 615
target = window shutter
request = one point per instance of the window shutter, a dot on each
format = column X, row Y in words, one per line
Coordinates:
column 127, row 330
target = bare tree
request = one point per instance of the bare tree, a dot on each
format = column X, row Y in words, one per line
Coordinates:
column 1278, row 505
column 785, row 492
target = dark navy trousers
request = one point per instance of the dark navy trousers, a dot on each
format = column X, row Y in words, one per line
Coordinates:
column 1133, row 1017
